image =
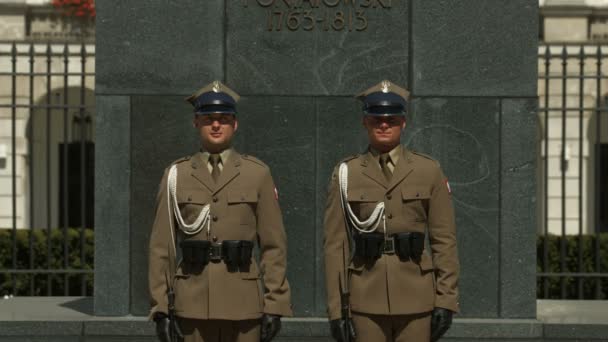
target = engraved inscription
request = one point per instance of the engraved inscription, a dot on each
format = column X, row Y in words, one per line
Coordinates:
column 321, row 15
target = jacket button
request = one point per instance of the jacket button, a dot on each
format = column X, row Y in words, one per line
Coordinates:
column 390, row 216
column 362, row 196
column 214, row 199
column 214, row 239
column 389, row 196
column 189, row 198
column 214, row 218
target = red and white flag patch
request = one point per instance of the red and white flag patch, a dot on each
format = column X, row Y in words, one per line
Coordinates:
column 447, row 184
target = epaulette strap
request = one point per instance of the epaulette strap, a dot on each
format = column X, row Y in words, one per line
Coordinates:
column 423, row 155
column 344, row 160
column 349, row 158
column 426, row 156
column 253, row 159
column 182, row 159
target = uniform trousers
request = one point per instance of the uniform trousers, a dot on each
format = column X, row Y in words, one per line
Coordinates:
column 219, row 330
column 392, row 328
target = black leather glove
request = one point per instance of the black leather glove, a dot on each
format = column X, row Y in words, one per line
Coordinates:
column 271, row 324
column 165, row 328
column 342, row 331
column 441, row 320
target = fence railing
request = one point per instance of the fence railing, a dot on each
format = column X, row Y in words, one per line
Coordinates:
column 47, row 100
column 573, row 204
column 46, row 170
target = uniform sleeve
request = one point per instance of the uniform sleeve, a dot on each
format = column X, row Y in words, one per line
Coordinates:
column 273, row 248
column 335, row 245
column 159, row 244
column 442, row 236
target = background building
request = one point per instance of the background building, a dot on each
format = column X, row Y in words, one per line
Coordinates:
column 572, row 91
column 47, row 65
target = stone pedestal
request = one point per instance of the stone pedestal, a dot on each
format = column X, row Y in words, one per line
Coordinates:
column 471, row 67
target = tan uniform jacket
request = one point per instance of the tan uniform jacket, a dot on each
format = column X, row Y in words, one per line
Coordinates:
column 417, row 197
column 244, row 206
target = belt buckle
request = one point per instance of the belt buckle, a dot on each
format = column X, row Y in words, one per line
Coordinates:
column 215, row 252
column 389, row 245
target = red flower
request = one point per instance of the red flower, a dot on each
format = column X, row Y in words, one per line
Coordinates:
column 79, row 8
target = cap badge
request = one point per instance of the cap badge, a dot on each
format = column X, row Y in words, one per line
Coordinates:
column 385, row 86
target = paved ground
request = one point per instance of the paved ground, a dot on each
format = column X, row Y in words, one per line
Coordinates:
column 71, row 319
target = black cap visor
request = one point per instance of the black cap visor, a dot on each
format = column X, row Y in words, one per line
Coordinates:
column 211, row 109
column 384, row 110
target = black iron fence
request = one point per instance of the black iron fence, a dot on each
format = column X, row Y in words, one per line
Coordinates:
column 573, row 243
column 46, row 98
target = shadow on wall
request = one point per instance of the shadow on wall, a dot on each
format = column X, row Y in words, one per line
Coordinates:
column 597, row 170
column 595, row 161
column 56, row 139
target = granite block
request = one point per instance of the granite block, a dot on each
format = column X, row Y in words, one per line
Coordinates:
column 158, row 47
column 112, row 204
column 474, row 48
column 328, row 59
column 576, row 332
column 491, row 329
column 34, row 329
column 518, row 208
column 126, row 327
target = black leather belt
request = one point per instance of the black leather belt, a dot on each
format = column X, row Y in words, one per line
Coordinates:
column 388, row 246
column 215, row 252
column 407, row 245
column 233, row 252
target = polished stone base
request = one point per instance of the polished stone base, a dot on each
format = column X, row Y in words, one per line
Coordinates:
column 71, row 319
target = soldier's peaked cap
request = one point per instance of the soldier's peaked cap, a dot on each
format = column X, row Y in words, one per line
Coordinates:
column 384, row 98
column 215, row 97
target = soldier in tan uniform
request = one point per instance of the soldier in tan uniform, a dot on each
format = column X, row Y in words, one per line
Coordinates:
column 383, row 284
column 212, row 208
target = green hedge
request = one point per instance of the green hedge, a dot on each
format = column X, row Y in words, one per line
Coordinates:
column 589, row 285
column 24, row 282
column 37, row 285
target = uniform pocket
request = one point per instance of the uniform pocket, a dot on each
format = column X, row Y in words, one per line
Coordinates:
column 253, row 272
column 191, row 204
column 181, row 275
column 426, row 263
column 243, row 203
column 356, row 266
column 251, row 297
column 195, row 197
column 415, row 203
column 364, row 201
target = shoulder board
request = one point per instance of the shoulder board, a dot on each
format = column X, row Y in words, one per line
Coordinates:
column 253, row 159
column 334, row 174
column 349, row 158
column 425, row 156
column 183, row 159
